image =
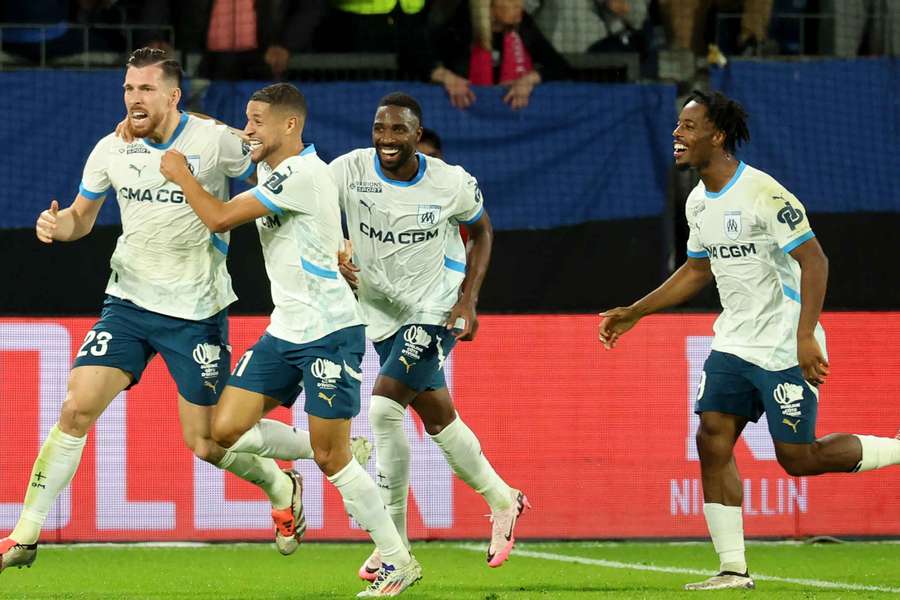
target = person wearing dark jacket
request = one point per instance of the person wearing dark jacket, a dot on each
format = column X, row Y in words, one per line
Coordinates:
column 242, row 39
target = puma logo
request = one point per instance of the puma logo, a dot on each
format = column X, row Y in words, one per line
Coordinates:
column 130, row 166
column 793, row 425
column 210, row 384
column 326, row 398
column 406, row 363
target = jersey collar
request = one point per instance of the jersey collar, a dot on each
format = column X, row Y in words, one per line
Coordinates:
column 419, row 175
column 311, row 149
column 181, row 125
column 731, row 182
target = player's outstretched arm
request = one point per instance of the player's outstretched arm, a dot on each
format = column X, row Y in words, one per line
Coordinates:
column 218, row 216
column 69, row 224
column 463, row 319
column 813, row 283
column 694, row 275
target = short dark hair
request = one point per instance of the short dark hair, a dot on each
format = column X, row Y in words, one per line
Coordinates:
column 403, row 100
column 431, row 137
column 282, row 95
column 146, row 57
column 726, row 114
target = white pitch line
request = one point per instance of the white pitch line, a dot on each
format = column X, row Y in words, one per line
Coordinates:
column 614, row 564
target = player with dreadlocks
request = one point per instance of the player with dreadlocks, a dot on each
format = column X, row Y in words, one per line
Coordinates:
column 768, row 355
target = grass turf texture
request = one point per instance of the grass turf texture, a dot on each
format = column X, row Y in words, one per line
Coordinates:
column 451, row 571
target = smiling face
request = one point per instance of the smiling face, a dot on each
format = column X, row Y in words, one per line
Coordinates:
column 395, row 132
column 267, row 128
column 695, row 138
column 149, row 98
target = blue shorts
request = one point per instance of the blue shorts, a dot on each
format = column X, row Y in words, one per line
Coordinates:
column 734, row 386
column 329, row 369
column 415, row 356
column 127, row 337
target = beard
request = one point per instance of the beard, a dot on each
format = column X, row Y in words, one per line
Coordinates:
column 404, row 153
column 147, row 127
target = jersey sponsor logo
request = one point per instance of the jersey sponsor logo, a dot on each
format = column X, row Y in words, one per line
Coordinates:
column 788, row 396
column 366, row 187
column 732, row 224
column 404, row 237
column 326, row 372
column 137, row 169
column 428, row 215
column 789, row 215
column 793, row 425
column 417, row 339
column 269, row 222
column 275, row 183
column 207, row 356
column 731, row 251
column 161, row 195
column 136, row 148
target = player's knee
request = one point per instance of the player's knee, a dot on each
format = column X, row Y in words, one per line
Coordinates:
column 797, row 462
column 331, row 460
column 224, row 434
column 205, row 449
column 385, row 414
column 76, row 417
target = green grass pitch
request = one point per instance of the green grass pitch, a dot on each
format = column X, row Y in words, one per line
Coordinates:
column 451, row 571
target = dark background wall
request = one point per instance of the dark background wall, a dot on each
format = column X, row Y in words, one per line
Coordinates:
column 582, row 268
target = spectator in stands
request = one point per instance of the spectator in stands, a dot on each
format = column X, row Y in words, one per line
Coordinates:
column 591, row 25
column 491, row 42
column 870, row 26
column 385, row 26
column 242, row 39
column 430, row 144
column 686, row 21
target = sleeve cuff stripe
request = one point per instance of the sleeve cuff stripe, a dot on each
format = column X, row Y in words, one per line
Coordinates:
column 89, row 194
column 475, row 218
column 266, row 202
column 251, row 168
column 800, row 240
column 702, row 254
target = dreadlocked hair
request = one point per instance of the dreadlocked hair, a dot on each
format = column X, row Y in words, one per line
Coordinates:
column 727, row 115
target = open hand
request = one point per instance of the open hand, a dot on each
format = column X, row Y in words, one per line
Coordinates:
column 616, row 322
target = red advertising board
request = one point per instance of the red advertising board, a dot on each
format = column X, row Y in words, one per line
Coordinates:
column 601, row 441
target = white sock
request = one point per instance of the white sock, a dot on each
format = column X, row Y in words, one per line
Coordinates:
column 363, row 503
column 463, row 452
column 391, row 459
column 878, row 452
column 726, row 528
column 261, row 472
column 274, row 439
column 53, row 469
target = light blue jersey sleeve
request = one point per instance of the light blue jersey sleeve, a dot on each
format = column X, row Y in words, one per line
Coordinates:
column 95, row 178
column 469, row 203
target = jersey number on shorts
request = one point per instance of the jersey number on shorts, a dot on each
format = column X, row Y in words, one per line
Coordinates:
column 100, row 341
column 242, row 363
column 702, row 386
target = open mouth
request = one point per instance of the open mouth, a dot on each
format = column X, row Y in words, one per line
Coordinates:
column 678, row 149
column 254, row 144
column 389, row 153
column 139, row 117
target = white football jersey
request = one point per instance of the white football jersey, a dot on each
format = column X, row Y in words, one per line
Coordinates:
column 406, row 238
column 166, row 260
column 747, row 231
column 300, row 242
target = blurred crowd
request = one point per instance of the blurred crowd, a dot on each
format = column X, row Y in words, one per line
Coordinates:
column 460, row 44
